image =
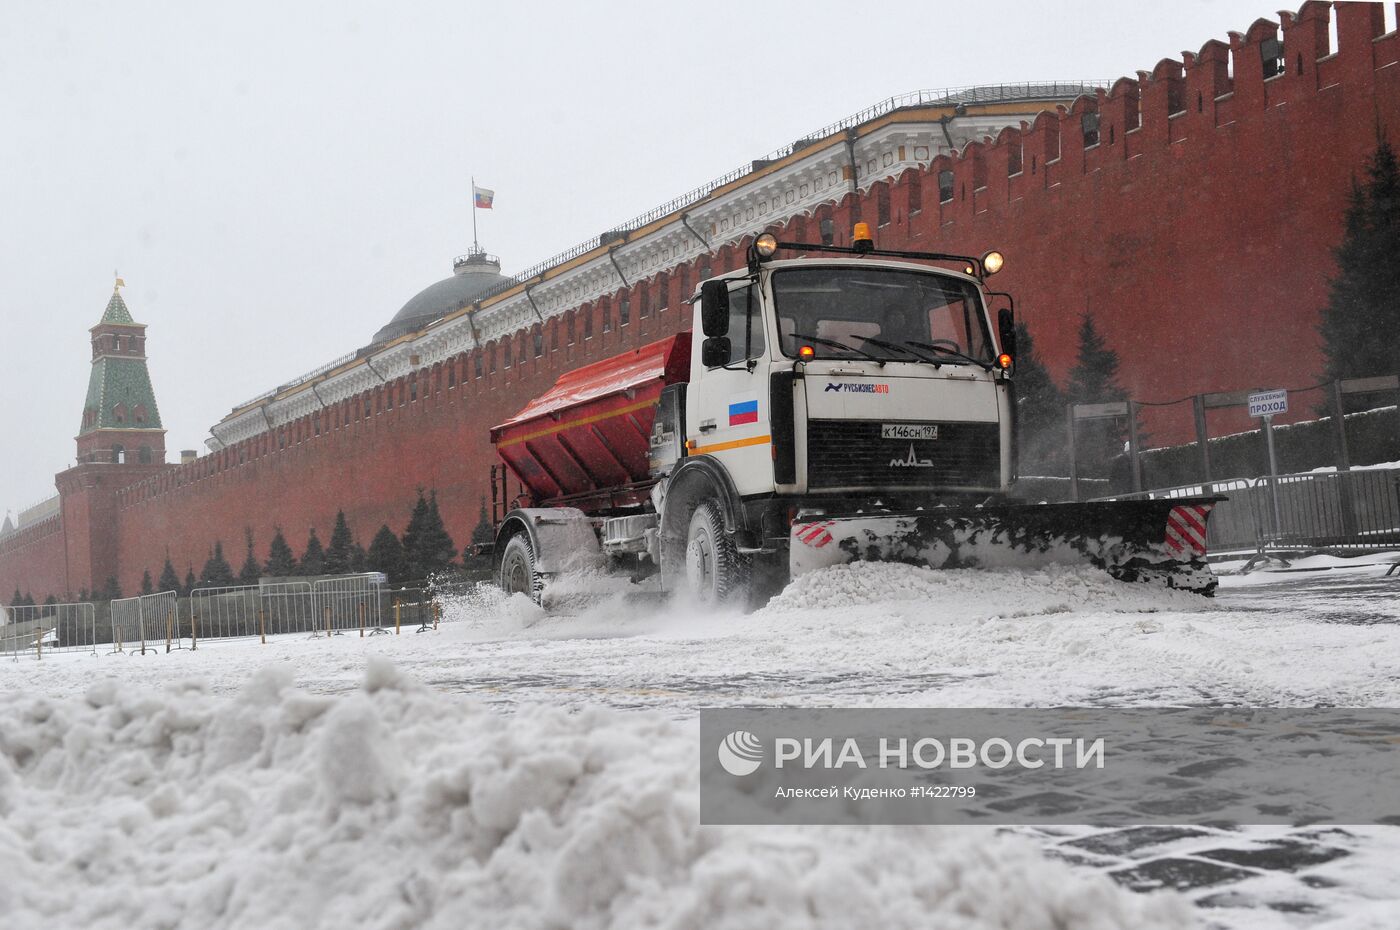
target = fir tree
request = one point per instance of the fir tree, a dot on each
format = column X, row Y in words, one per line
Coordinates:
column 1094, row 380
column 250, row 572
column 313, row 557
column 84, row 595
column 169, row 581
column 217, row 573
column 148, row 586
column 280, row 561
column 339, row 552
column 29, row 599
column 435, row 549
column 1360, row 325
column 111, row 591
column 190, row 582
column 52, row 601
column 386, row 555
column 413, row 537
column 359, row 559
column 18, row 599
column 1040, row 412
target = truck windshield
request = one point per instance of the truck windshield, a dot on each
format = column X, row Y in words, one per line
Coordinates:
column 843, row 306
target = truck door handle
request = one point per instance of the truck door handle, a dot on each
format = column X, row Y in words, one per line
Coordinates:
column 708, row 426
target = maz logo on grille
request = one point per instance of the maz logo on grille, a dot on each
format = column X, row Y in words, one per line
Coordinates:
column 912, row 461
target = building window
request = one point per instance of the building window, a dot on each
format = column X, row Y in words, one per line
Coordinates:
column 828, row 230
column 145, row 455
column 882, row 204
column 624, row 311
column 916, row 192
column 476, row 363
column 945, row 185
column 538, row 336
column 118, row 455
column 119, row 413
column 1089, row 122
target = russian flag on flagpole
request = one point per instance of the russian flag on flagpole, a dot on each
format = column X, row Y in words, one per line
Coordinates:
column 481, row 197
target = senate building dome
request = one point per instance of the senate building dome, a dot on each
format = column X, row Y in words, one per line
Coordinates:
column 473, row 276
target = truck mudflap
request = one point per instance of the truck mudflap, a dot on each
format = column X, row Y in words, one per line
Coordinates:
column 1160, row 542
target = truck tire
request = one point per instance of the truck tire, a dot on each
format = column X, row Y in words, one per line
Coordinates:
column 715, row 572
column 518, row 574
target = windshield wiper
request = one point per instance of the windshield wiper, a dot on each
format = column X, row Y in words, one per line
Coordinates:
column 838, row 345
column 907, row 351
column 946, row 351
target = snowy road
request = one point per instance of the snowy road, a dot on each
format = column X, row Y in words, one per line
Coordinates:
column 871, row 635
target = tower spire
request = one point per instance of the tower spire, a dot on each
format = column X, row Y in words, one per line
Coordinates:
column 121, row 422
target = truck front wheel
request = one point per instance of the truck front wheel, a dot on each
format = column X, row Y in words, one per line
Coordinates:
column 518, row 574
column 715, row 571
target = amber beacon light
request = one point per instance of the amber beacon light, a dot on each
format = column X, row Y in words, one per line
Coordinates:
column 861, row 239
column 1004, row 361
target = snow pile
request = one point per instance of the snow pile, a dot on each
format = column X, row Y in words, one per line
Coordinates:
column 977, row 592
column 397, row 807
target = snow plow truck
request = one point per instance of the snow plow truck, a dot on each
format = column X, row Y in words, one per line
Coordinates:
column 850, row 404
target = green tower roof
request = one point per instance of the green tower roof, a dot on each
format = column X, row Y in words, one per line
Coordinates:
column 119, row 394
column 116, row 310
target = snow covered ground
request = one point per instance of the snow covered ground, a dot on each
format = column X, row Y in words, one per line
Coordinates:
column 516, row 769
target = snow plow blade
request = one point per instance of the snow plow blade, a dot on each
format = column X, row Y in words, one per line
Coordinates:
column 1160, row 542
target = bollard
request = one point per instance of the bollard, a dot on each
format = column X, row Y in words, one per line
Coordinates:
column 39, row 644
column 328, row 623
column 194, row 631
column 398, row 617
column 437, row 609
column 362, row 619
column 169, row 631
column 262, row 625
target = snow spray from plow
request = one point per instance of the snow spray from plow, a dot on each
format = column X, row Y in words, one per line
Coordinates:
column 1154, row 541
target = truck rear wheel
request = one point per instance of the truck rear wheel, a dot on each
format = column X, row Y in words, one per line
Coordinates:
column 715, row 571
column 518, row 574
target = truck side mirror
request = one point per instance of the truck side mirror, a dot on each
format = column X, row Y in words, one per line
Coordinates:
column 1006, row 329
column 714, row 308
column 715, row 351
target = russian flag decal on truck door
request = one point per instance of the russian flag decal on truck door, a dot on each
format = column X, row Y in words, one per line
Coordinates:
column 744, row 411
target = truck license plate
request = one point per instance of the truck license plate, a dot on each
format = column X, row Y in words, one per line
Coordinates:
column 909, row 431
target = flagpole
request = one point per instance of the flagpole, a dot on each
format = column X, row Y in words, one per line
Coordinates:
column 476, row 246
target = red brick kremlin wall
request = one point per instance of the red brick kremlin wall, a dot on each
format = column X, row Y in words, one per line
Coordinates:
column 1198, row 232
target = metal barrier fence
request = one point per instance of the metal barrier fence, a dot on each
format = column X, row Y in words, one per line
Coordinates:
column 1346, row 510
column 144, row 622
column 48, row 628
column 322, row 607
column 138, row 625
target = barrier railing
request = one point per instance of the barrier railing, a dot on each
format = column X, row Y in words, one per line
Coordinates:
column 143, row 625
column 48, row 628
column 1345, row 510
column 145, row 622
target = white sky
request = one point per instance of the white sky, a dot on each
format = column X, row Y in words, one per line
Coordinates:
column 274, row 181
